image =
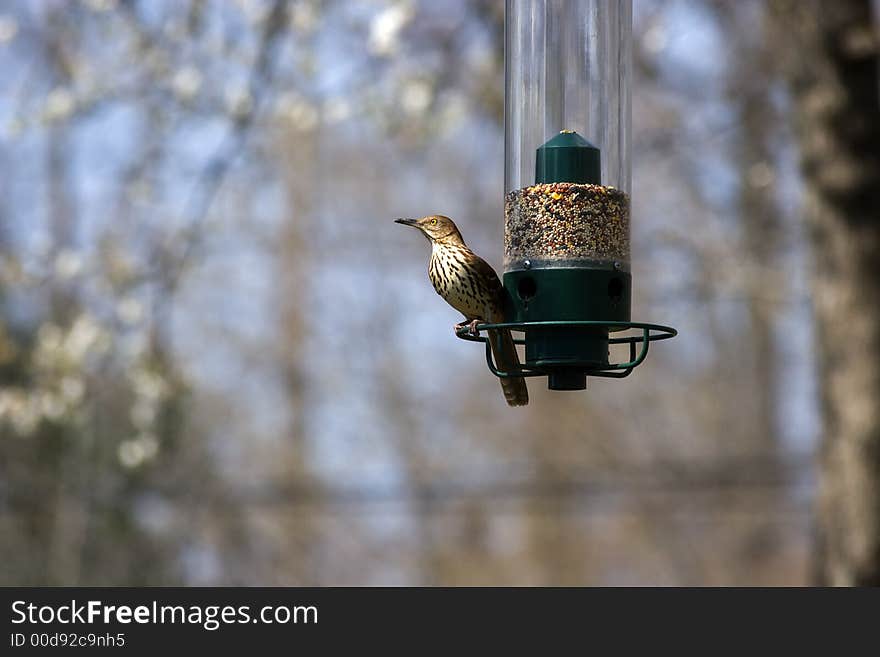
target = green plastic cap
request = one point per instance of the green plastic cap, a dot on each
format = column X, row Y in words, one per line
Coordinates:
column 567, row 157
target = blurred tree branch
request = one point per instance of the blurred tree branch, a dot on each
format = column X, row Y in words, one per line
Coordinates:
column 214, row 171
column 834, row 74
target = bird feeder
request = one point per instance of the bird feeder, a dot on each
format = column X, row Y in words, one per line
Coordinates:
column 567, row 186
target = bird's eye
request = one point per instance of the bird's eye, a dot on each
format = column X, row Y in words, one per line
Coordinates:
column 433, row 222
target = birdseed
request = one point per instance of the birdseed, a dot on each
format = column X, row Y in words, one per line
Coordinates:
column 566, row 221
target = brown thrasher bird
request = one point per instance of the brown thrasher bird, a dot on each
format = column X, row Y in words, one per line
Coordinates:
column 470, row 285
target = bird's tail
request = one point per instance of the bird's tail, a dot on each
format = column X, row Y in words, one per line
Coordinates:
column 515, row 391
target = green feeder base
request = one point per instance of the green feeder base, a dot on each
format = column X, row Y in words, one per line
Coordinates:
column 566, row 295
column 569, row 377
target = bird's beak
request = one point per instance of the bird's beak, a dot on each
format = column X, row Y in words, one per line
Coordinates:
column 406, row 222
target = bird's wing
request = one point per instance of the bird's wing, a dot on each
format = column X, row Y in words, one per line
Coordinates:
column 493, row 287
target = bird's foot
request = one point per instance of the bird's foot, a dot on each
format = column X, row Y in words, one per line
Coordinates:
column 471, row 327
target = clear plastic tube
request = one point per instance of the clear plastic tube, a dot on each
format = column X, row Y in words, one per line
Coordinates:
column 567, row 70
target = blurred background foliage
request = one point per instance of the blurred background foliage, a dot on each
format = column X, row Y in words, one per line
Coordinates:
column 222, row 363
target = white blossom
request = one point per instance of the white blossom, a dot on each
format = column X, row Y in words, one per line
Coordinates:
column 138, row 450
column 60, row 104
column 416, row 96
column 130, row 453
column 299, row 112
column 148, row 384
column 68, row 264
column 386, row 26
column 84, row 336
column 20, row 410
column 186, row 83
column 655, row 38
column 72, row 390
column 7, row 403
column 50, row 405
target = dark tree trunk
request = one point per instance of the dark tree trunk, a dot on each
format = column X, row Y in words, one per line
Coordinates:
column 833, row 75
